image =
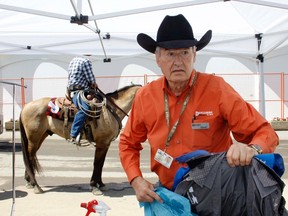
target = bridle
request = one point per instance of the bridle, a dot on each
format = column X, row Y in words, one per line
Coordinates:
column 114, row 104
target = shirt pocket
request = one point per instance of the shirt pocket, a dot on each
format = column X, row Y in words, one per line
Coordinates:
column 207, row 131
column 203, row 122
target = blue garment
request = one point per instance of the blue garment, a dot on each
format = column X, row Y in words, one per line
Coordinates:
column 182, row 171
column 173, row 205
column 197, row 153
column 274, row 161
column 80, row 116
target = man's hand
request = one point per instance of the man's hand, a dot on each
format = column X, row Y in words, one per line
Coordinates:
column 94, row 86
column 144, row 190
column 240, row 154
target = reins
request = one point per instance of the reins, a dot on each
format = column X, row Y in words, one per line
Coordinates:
column 112, row 102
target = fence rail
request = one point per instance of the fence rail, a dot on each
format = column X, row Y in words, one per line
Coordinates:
column 247, row 85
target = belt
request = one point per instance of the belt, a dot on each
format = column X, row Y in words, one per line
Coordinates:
column 75, row 88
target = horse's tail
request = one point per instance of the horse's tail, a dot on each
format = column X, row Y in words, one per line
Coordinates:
column 31, row 162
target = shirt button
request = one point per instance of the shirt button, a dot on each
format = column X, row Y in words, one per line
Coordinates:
column 178, row 102
column 178, row 142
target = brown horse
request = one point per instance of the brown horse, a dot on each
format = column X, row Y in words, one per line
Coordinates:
column 36, row 125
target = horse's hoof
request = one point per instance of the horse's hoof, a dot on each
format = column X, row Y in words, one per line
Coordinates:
column 38, row 190
column 104, row 188
column 29, row 186
column 96, row 191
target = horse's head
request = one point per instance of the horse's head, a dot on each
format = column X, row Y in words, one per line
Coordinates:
column 129, row 90
column 122, row 99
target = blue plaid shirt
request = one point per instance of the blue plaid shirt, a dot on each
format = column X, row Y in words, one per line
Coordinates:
column 80, row 72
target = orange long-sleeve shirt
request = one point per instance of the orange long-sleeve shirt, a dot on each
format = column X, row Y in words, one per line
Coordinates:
column 214, row 110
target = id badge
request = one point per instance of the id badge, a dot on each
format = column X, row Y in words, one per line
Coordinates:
column 200, row 126
column 163, row 158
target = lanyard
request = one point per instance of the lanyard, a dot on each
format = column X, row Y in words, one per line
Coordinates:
column 167, row 113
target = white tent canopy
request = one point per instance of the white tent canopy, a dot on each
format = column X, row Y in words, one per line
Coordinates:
column 44, row 26
column 254, row 30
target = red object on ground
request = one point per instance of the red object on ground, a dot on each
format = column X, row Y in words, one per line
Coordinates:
column 89, row 206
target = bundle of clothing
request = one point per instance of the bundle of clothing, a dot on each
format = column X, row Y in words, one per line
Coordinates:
column 212, row 187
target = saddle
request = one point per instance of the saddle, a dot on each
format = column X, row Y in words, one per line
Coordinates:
column 63, row 109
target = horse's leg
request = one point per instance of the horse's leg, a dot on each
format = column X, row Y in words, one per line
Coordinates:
column 38, row 189
column 33, row 146
column 30, row 167
column 32, row 183
column 99, row 158
column 29, row 156
column 28, row 180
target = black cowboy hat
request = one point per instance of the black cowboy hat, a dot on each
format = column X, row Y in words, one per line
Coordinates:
column 174, row 32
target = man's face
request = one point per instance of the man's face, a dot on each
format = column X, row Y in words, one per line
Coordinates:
column 176, row 64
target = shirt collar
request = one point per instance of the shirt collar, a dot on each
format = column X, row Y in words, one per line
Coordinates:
column 190, row 83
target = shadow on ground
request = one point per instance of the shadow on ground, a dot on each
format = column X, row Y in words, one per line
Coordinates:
column 115, row 189
column 9, row 194
column 8, row 147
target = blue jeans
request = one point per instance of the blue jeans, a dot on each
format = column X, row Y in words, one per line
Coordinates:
column 80, row 116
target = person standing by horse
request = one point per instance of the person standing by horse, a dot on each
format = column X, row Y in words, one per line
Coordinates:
column 80, row 77
column 186, row 110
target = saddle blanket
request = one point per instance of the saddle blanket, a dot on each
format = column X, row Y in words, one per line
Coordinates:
column 53, row 110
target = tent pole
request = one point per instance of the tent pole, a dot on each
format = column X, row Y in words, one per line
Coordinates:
column 260, row 61
column 13, row 147
column 262, row 86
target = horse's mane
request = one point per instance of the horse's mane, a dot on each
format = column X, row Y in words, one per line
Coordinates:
column 115, row 93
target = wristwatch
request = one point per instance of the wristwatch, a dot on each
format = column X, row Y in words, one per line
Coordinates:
column 257, row 148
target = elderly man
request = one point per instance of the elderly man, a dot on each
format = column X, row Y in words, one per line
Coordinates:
column 186, row 110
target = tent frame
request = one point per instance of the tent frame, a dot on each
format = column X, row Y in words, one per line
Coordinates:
column 81, row 19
